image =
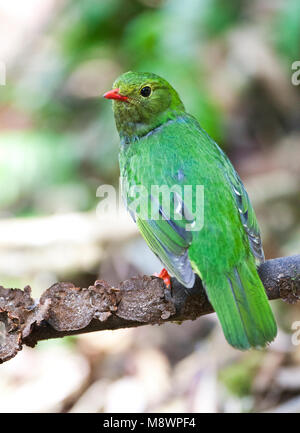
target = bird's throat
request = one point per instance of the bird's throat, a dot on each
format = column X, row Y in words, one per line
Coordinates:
column 133, row 129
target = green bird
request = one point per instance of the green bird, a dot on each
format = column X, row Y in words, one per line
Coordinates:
column 161, row 144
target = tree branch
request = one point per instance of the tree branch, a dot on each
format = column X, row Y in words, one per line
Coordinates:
column 64, row 309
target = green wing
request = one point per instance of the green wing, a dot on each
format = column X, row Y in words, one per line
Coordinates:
column 245, row 209
column 170, row 247
column 168, row 238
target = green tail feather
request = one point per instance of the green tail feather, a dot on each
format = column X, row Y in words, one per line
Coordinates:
column 242, row 306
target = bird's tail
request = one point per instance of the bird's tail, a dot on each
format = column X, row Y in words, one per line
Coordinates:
column 242, row 306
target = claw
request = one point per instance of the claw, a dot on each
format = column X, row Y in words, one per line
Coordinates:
column 164, row 276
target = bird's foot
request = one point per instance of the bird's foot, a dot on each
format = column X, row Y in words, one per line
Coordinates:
column 164, row 276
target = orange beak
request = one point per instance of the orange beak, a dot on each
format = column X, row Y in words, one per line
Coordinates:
column 115, row 94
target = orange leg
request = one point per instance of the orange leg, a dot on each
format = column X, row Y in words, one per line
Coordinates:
column 164, row 276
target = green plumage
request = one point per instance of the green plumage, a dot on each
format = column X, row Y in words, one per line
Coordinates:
column 163, row 145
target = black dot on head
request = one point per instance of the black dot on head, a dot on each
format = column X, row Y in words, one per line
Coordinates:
column 145, row 91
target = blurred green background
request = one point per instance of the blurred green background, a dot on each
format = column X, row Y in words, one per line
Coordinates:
column 231, row 63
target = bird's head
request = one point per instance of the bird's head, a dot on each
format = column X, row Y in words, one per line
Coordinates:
column 141, row 102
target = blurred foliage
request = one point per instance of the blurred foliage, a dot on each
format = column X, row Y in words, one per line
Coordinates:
column 231, row 64
column 238, row 376
column 171, row 38
column 288, row 31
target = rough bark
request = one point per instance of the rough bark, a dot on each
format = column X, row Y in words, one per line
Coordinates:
column 64, row 309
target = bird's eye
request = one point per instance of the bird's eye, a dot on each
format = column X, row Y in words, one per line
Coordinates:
column 145, row 91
